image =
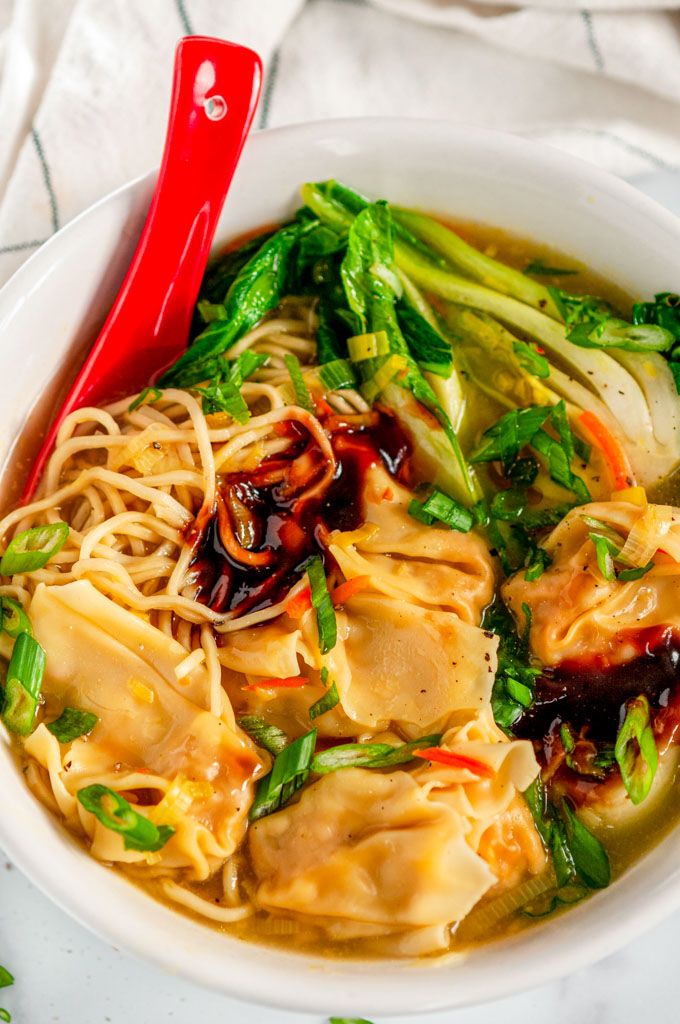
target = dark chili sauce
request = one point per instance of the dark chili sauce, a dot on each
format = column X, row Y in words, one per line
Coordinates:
column 287, row 526
column 590, row 695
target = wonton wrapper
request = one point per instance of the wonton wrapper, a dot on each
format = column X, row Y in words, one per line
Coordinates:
column 427, row 565
column 95, row 650
column 394, row 661
column 575, row 612
column 367, row 854
column 409, row 650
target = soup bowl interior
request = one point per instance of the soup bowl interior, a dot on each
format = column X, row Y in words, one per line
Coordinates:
column 50, row 312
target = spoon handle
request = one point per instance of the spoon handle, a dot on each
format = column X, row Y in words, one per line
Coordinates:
column 215, row 91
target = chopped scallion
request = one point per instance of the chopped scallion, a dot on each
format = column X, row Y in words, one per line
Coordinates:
column 635, row 750
column 323, row 605
column 326, row 703
column 14, row 618
column 368, row 346
column 265, row 735
column 6, row 979
column 72, row 723
column 369, row 755
column 302, row 395
column 289, row 772
column 114, row 812
column 22, row 688
column 32, row 549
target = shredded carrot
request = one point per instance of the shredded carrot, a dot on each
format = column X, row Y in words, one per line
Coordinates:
column 348, row 589
column 452, row 760
column 610, row 447
column 387, row 494
column 299, row 604
column 289, row 683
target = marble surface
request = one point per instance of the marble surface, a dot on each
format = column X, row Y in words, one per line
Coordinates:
column 66, row 976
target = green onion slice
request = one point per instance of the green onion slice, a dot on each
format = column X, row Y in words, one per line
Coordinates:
column 369, row 755
column 587, row 852
column 635, row 750
column 321, row 600
column 147, row 396
column 14, row 618
column 368, row 346
column 32, row 549
column 289, row 772
column 72, row 723
column 302, row 395
column 264, row 734
column 337, row 374
column 22, row 689
column 441, row 507
column 115, row 813
column 5, row 1015
column 326, row 703
column 6, row 979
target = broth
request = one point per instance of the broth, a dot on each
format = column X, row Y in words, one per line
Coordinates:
column 625, row 844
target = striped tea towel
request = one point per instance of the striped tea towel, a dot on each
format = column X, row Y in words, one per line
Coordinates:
column 84, row 84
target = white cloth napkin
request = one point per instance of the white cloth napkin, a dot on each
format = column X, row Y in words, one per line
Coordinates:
column 84, row 84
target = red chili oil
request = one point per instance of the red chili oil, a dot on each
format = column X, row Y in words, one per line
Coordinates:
column 290, row 528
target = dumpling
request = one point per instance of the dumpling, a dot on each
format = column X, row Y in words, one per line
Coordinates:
column 365, row 854
column 154, row 732
column 394, row 661
column 575, row 612
column 399, row 662
column 428, row 565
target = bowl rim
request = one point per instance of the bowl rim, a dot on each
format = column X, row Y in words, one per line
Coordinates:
column 352, row 991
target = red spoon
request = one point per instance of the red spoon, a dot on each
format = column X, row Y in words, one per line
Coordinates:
column 215, row 91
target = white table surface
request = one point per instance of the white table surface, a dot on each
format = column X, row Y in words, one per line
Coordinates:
column 66, row 976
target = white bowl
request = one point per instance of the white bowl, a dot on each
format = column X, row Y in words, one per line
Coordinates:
column 58, row 299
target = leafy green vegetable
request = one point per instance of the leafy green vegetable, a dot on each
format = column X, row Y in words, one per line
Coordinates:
column 635, row 750
column 321, row 601
column 444, row 509
column 72, row 723
column 337, row 374
column 222, row 271
column 222, row 393
column 265, row 735
column 256, row 289
column 531, row 360
column 32, row 549
column 369, row 755
column 114, row 812
column 22, row 687
column 289, row 773
column 515, row 430
column 513, row 688
column 521, row 428
column 428, row 346
column 471, row 261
